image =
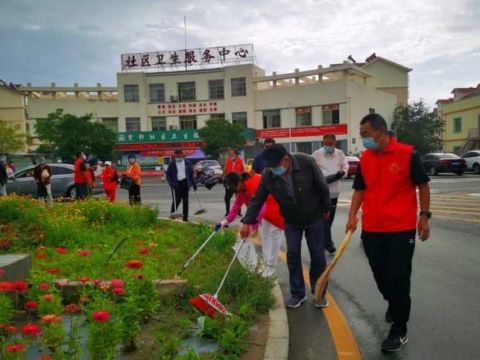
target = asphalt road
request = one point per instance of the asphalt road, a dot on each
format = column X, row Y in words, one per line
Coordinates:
column 445, row 319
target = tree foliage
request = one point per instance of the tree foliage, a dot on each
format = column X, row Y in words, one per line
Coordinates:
column 10, row 140
column 220, row 134
column 66, row 134
column 415, row 125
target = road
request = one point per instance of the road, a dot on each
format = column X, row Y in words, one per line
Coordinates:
column 446, row 272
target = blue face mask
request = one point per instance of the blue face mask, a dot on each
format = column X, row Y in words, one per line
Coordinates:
column 329, row 149
column 370, row 143
column 279, row 170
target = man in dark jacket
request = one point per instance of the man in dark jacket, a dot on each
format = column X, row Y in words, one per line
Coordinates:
column 258, row 163
column 180, row 178
column 296, row 182
column 3, row 178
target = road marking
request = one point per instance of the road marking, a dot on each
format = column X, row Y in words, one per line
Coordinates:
column 345, row 344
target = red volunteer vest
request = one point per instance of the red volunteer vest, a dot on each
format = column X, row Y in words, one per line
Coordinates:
column 78, row 177
column 389, row 201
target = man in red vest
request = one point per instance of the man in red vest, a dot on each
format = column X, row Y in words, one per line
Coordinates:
column 81, row 179
column 233, row 164
column 385, row 188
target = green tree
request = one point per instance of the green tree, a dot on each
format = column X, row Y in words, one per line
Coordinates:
column 66, row 134
column 220, row 134
column 10, row 140
column 416, row 125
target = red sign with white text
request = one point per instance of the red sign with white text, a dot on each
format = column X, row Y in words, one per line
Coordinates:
column 340, row 129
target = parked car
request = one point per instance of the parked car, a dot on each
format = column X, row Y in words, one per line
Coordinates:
column 353, row 162
column 62, row 182
column 472, row 158
column 436, row 163
column 209, row 166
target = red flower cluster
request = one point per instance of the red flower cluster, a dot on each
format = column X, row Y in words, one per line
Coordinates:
column 41, row 255
column 101, row 316
column 5, row 287
column 116, row 282
column 72, row 309
column 61, row 250
column 84, row 252
column 43, row 286
column 31, row 305
column 50, row 319
column 20, row 287
column 53, row 271
column 119, row 291
column 144, row 251
column 48, row 297
column 15, row 348
column 31, row 329
column 84, row 279
column 134, row 264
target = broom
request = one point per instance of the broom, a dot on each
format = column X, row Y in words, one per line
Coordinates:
column 174, row 215
column 322, row 281
column 208, row 304
column 201, row 210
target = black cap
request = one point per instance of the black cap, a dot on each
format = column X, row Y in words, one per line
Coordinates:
column 273, row 155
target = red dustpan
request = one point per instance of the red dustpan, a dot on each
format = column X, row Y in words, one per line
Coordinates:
column 208, row 304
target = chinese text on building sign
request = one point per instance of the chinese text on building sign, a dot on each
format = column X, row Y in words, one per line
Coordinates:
column 188, row 59
column 157, row 136
column 191, row 108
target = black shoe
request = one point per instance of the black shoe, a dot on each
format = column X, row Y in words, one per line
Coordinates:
column 394, row 342
column 388, row 316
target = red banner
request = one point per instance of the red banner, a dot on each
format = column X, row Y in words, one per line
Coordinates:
column 160, row 146
column 165, row 152
column 340, row 129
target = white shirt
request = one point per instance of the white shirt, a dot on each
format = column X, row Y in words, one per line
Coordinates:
column 181, row 172
column 331, row 164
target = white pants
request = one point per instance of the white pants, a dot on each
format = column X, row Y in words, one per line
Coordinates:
column 271, row 240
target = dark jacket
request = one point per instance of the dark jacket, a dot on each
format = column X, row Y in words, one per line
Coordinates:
column 258, row 163
column 172, row 174
column 310, row 190
column 3, row 174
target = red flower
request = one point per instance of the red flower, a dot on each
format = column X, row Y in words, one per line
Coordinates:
column 31, row 329
column 144, row 251
column 48, row 297
column 41, row 255
column 53, row 271
column 98, row 282
column 118, row 291
column 101, row 316
column 20, row 287
column 10, row 329
column 43, row 286
column 84, row 279
column 5, row 287
column 72, row 309
column 134, row 264
column 85, row 252
column 50, row 319
column 31, row 305
column 14, row 348
column 61, row 250
column 116, row 283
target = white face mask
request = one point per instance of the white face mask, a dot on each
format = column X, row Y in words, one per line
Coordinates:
column 131, row 161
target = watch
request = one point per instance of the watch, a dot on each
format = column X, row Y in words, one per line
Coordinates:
column 428, row 214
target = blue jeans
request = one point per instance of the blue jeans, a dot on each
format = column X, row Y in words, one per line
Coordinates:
column 315, row 235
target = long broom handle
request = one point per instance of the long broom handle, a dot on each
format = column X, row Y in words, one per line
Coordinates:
column 229, row 267
column 198, row 199
column 197, row 252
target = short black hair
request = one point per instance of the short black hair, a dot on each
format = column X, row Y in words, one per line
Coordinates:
column 273, row 155
column 131, row 156
column 329, row 136
column 269, row 141
column 232, row 179
column 377, row 122
column 178, row 152
column 78, row 153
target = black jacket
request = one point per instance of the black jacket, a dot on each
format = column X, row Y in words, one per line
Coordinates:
column 172, row 174
column 3, row 174
column 311, row 195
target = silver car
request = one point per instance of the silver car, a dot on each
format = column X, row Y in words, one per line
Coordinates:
column 62, row 182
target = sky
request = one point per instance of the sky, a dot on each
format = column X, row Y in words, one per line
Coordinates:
column 68, row 41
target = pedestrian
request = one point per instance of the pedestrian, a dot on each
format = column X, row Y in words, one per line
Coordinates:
column 233, row 164
column 81, row 178
column 3, row 177
column 258, row 163
column 110, row 181
column 272, row 223
column 297, row 184
column 133, row 172
column 91, row 167
column 181, row 179
column 385, row 187
column 334, row 166
column 42, row 175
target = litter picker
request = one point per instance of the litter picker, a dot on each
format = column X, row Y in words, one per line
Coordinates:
column 116, row 248
column 323, row 279
column 188, row 262
column 201, row 210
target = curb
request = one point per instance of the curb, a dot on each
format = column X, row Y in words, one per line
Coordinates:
column 278, row 329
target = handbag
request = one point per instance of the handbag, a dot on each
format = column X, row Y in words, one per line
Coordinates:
column 126, row 182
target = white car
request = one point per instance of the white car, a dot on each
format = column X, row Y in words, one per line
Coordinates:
column 472, row 158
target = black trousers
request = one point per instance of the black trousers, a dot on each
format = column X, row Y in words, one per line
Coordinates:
column 181, row 195
column 328, row 225
column 390, row 257
column 134, row 194
column 228, row 198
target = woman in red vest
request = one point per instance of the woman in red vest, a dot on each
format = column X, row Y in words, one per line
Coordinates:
column 110, row 181
column 233, row 165
column 272, row 223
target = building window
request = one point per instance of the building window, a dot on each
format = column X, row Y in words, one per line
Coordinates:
column 271, row 119
column 216, row 89
column 457, row 125
column 304, row 147
column 239, row 87
column 157, row 93
column 130, row 93
column 132, row 124
column 217, row 117
column 159, row 123
column 331, row 114
column 303, row 116
column 188, row 122
column 240, row 118
column 186, row 91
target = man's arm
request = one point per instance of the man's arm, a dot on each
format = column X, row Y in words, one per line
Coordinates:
column 423, row 225
column 357, row 200
column 321, row 186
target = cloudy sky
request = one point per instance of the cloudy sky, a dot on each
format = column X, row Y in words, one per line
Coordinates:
column 67, row 41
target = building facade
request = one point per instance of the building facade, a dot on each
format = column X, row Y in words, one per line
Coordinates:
column 13, row 108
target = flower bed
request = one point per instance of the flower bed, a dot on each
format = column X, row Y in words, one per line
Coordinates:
column 118, row 298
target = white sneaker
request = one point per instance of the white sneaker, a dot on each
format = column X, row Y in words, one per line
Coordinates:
column 322, row 303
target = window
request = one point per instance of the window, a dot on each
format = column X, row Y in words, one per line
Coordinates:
column 304, row 147
column 60, row 170
column 217, row 117
column 188, row 122
column 157, row 93
column 331, row 114
column 132, row 123
column 186, row 91
column 240, row 118
column 457, row 125
column 303, row 116
column 239, row 87
column 159, row 123
column 271, row 119
column 130, row 93
column 215, row 89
